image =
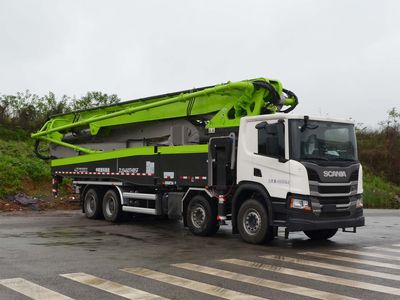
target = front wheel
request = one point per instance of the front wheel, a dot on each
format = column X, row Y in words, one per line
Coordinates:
column 252, row 223
column 201, row 217
column 318, row 235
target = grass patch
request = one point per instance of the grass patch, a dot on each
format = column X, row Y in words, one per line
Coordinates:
column 380, row 193
column 19, row 166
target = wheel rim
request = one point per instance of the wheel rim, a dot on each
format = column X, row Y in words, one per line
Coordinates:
column 252, row 222
column 111, row 206
column 198, row 216
column 91, row 204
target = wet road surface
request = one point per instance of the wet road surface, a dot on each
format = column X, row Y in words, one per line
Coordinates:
column 63, row 255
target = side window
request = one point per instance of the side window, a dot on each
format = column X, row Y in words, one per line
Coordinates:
column 271, row 141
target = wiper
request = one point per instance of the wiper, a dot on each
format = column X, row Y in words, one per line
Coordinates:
column 344, row 159
column 315, row 158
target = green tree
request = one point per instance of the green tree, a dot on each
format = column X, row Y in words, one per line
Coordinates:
column 94, row 99
column 30, row 111
column 379, row 149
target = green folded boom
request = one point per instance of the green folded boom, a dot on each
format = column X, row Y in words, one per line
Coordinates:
column 221, row 105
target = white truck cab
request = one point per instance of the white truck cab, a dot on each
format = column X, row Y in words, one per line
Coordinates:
column 306, row 167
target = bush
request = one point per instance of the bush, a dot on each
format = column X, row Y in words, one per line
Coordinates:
column 379, row 193
column 379, row 152
column 379, row 149
column 13, row 135
column 19, row 165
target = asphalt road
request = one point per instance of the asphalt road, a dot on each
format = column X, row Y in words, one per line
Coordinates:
column 62, row 255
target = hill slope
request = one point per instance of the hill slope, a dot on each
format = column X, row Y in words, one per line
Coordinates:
column 20, row 170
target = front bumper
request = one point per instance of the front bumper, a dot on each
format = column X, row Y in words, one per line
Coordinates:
column 302, row 224
column 327, row 213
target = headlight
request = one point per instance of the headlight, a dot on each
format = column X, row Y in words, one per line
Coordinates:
column 300, row 204
column 360, row 203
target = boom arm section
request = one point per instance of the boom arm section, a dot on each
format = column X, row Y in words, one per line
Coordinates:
column 220, row 106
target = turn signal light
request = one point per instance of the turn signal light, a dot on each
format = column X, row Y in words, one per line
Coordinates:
column 360, row 203
column 300, row 204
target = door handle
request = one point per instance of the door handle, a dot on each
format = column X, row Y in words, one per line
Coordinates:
column 257, row 172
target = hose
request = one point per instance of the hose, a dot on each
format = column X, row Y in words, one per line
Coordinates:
column 276, row 100
column 272, row 91
column 290, row 94
column 38, row 154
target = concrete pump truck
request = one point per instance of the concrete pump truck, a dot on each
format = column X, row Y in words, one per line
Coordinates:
column 212, row 155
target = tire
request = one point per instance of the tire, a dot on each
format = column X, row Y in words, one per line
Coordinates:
column 201, row 217
column 92, row 204
column 112, row 208
column 252, row 223
column 319, row 235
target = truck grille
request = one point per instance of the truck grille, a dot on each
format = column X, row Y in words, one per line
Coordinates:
column 332, row 197
column 334, row 189
column 334, row 200
column 346, row 189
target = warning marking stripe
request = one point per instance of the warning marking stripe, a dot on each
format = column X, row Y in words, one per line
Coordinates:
column 191, row 284
column 126, row 174
column 276, row 285
column 316, row 276
column 193, row 177
column 333, row 267
column 104, row 173
column 111, row 287
column 32, row 290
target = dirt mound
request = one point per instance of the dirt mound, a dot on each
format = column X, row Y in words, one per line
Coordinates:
column 21, row 202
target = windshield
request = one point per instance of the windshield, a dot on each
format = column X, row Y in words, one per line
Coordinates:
column 317, row 140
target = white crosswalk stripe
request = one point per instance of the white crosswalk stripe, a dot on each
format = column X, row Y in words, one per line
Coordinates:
column 289, row 288
column 351, row 270
column 294, row 265
column 111, row 287
column 191, row 284
column 364, row 253
column 352, row 260
column 32, row 290
column 383, row 249
column 315, row 276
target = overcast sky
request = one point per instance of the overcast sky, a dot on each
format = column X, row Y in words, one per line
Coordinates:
column 342, row 58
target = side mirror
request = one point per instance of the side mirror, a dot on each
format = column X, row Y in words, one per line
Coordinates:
column 261, row 125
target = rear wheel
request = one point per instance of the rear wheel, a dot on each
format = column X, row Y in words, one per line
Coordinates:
column 92, row 204
column 201, row 217
column 112, row 208
column 319, row 235
column 253, row 223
